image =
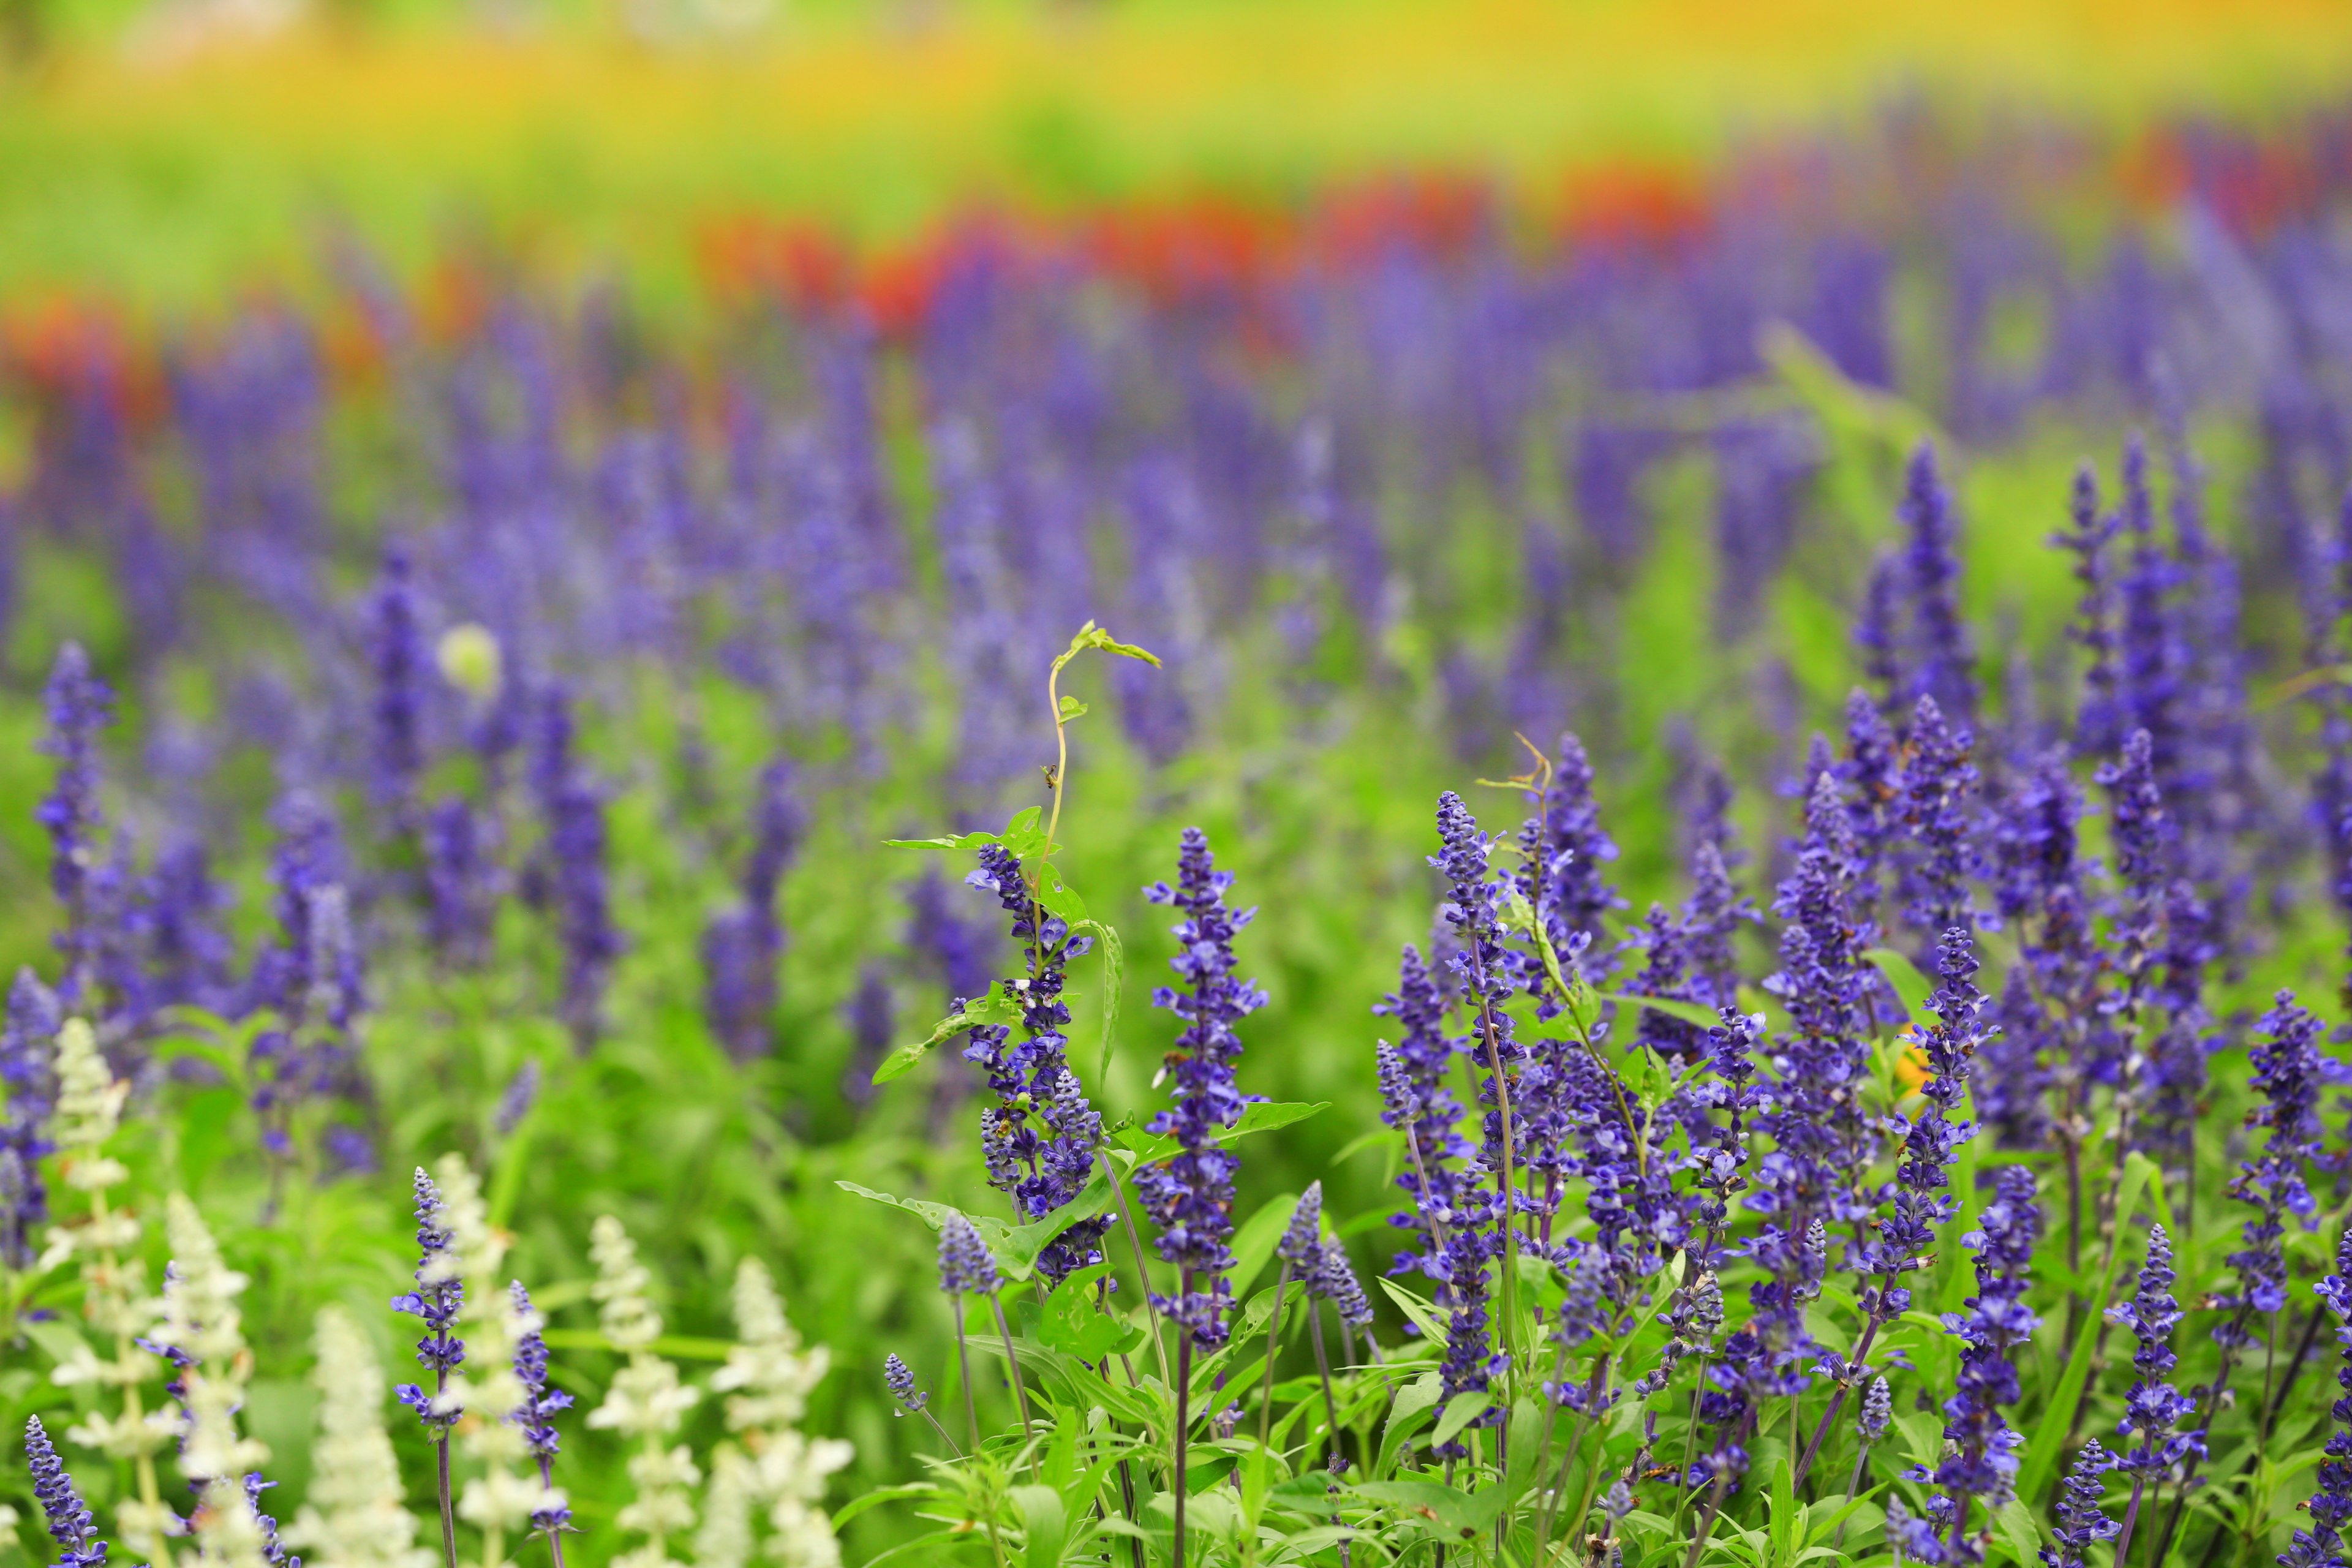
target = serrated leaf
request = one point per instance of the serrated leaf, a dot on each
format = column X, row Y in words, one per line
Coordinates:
column 1460, row 1411
column 999, row 1006
column 1263, row 1117
column 1688, row 1012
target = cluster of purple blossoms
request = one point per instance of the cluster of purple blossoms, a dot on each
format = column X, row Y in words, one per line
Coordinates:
column 1415, row 1100
column 899, row 1379
column 2098, row 725
column 1944, row 664
column 79, row 706
column 28, row 1079
column 1934, row 802
column 1041, row 1137
column 569, row 875
column 1980, row 1465
column 1872, row 775
column 966, row 1266
column 273, row 1551
column 1190, row 1195
column 536, row 1413
column 458, row 889
column 1922, row 1204
column 1564, row 855
column 2153, row 1408
column 2322, row 1546
column 69, row 1521
column 2288, row 1074
column 742, row 946
column 397, row 658
column 440, row 1296
column 2141, row 836
column 2082, row 1516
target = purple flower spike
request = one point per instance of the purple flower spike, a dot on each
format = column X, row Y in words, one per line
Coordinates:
column 71, row 1524
column 2082, row 1517
column 28, row 1075
column 1301, row 1245
column 2153, row 1408
column 1934, row 794
column 1416, row 1100
column 397, row 660
column 1190, row 1195
column 2322, row 1546
column 438, row 1298
column 966, row 1266
column 537, row 1410
column 1947, row 663
column 2288, row 1073
column 1980, row 1464
column 78, row 705
column 1040, row 1139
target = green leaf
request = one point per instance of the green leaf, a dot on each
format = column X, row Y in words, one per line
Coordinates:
column 1072, row 709
column 1460, row 1411
column 1424, row 1316
column 680, row 1347
column 1044, row 1524
column 1091, row 636
column 1263, row 1118
column 1903, row 976
column 961, row 841
column 1059, row 897
column 1114, row 958
column 1024, row 834
column 1688, row 1012
column 999, row 1006
column 1075, row 1324
column 867, row 1499
column 2058, row 1416
column 2019, row 1533
column 1253, row 1239
column 1784, row 1509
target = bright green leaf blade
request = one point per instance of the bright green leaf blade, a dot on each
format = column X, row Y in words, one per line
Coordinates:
column 1261, row 1118
column 1688, row 1012
column 1460, row 1411
column 2019, row 1533
column 1044, row 1524
column 1903, row 976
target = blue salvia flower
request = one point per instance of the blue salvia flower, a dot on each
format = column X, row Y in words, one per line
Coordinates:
column 458, row 895
column 2083, row 1519
column 2148, row 682
column 1979, row 1465
column 71, row 1524
column 1872, row 777
column 440, row 1296
column 1301, row 1245
column 2098, row 724
column 273, row 1552
column 1484, row 967
column 2034, row 840
column 1190, row 1195
column 1715, row 913
column 2153, row 1408
column 1041, row 1137
column 953, row 948
column 966, row 1266
column 535, row 1414
column 1563, row 868
column 188, row 954
column 2322, row 1546
column 1877, row 635
column 29, row 1078
column 1947, row 664
column 1877, row 1410
column 519, row 1094
column 571, row 865
column 2288, row 1073
column 742, row 946
column 78, row 705
column 1666, row 973
column 1933, row 797
column 1335, row 1282
column 2175, row 1070
column 1416, row 1100
column 397, row 661
column 899, row 1379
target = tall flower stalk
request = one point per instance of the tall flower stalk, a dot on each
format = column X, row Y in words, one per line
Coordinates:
column 646, row 1402
column 354, row 1516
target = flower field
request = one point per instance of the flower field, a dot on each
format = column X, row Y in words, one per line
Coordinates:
column 1491, row 860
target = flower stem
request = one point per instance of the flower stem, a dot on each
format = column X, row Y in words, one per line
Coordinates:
column 1183, row 1423
column 1020, row 1390
column 1272, row 1341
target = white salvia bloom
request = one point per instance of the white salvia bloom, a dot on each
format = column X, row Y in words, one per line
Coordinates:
column 793, row 1471
column 769, row 1365
column 647, row 1400
column 202, row 1323
column 725, row 1538
column 628, row 1317
column 501, row 1500
column 7, row 1527
column 89, row 1109
column 355, row 1516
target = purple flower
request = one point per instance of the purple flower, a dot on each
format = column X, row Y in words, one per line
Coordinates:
column 2149, row 637
column 459, row 895
column 1946, row 669
column 1665, row 972
column 2140, row 832
column 29, row 1078
column 2288, row 1073
column 742, row 947
column 1979, row 1464
column 537, row 1411
column 2082, row 1517
column 71, row 1524
column 966, row 1266
column 78, row 705
column 397, row 661
column 2035, row 838
column 573, row 859
column 954, row 949
column 1715, row 913
column 1040, row 1139
column 899, row 1379
column 2098, row 724
column 1416, row 1100
column 1190, row 1195
column 1564, row 870
column 521, row 1094
column 438, row 1296
column 2154, row 1406
column 871, row 1017
column 1301, row 1245
column 1876, row 634
column 1934, row 794
column 188, row 955
column 273, row 1552
column 2331, row 1499
column 1334, row 1280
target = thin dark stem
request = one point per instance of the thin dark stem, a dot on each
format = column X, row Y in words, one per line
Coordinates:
column 555, row 1532
column 1323, row 1368
column 441, row 1476
column 1273, row 1340
column 1705, row 1524
column 1837, row 1395
column 1020, row 1390
column 2131, row 1514
column 1853, row 1485
column 1143, row 1272
column 971, row 1394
